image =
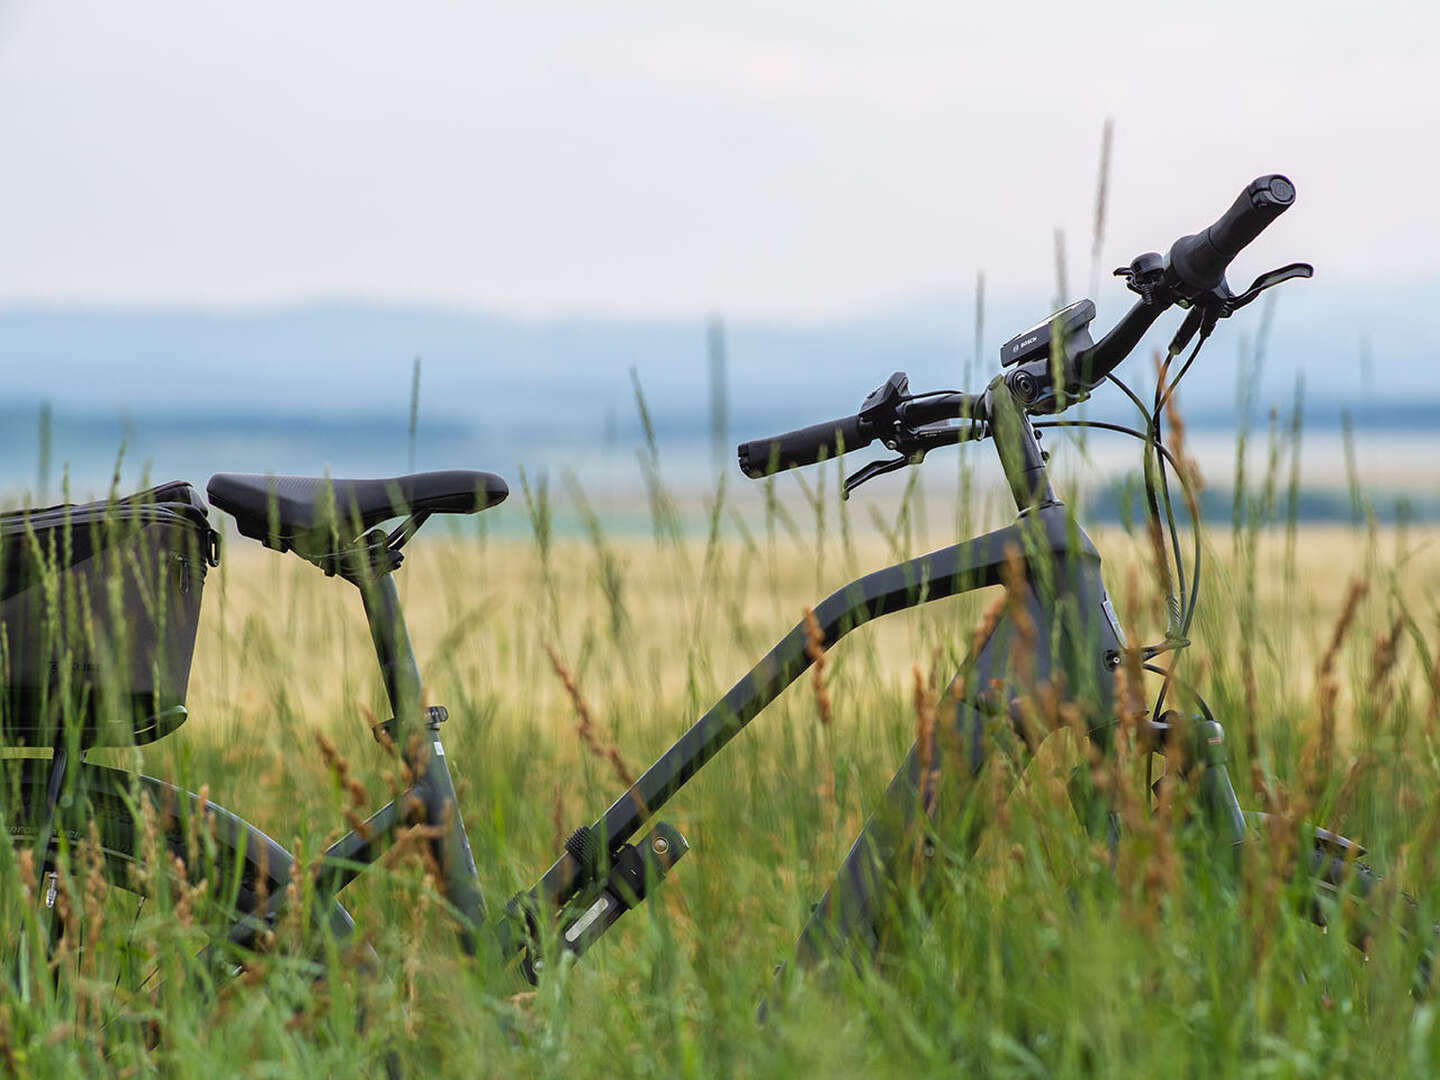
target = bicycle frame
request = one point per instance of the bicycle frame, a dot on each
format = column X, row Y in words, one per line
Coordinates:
column 1072, row 650
column 1058, row 636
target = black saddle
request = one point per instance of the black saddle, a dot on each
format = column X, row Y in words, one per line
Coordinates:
column 312, row 513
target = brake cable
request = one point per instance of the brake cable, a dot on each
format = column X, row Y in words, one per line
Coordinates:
column 1131, row 395
column 1163, row 394
column 1164, row 451
column 1181, row 625
column 1190, row 504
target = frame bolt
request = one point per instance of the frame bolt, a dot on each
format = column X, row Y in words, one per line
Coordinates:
column 660, row 845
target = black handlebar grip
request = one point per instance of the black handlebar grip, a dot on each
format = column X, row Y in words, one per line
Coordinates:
column 1198, row 262
column 804, row 446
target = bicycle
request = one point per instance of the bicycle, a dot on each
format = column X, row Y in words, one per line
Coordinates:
column 1050, row 567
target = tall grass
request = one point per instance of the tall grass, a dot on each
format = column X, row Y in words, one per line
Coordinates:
column 570, row 659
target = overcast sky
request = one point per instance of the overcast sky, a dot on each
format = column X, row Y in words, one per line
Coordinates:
column 779, row 160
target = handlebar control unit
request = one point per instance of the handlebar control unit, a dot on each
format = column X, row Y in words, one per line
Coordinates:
column 1034, row 344
column 1031, row 377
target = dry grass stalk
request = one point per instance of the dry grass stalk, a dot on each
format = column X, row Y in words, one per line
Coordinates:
column 1011, row 604
column 1154, row 532
column 292, row 918
column 1187, row 466
column 558, row 816
column 925, row 710
column 1384, row 657
column 411, row 965
column 1159, row 859
column 1247, row 675
column 377, row 728
column 1432, row 707
column 1147, row 861
column 69, row 921
column 924, row 703
column 144, row 871
column 815, row 650
column 62, row 1033
column 26, row 860
column 1354, row 593
column 354, row 790
column 1023, row 647
column 412, row 840
column 184, row 914
column 1317, row 761
column 195, row 823
column 1128, row 703
column 1016, row 590
column 95, row 891
column 585, row 726
column 1426, row 842
column 988, row 621
column 997, row 797
column 7, row 1043
column 1359, row 768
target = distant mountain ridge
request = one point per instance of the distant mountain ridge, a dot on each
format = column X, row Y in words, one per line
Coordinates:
column 313, row 376
column 337, row 357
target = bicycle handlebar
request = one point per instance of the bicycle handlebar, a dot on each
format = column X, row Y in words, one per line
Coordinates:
column 1198, row 262
column 803, row 446
column 912, row 426
column 1107, row 354
column 1195, row 267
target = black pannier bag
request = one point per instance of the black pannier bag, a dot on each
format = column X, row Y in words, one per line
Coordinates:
column 99, row 604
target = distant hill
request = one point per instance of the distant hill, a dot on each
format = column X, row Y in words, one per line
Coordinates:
column 312, row 380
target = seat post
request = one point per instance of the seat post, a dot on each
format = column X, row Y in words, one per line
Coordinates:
column 392, row 649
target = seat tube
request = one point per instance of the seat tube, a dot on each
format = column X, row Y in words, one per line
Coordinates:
column 451, row 845
column 433, row 784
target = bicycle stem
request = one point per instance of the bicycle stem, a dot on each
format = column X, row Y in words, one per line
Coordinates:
column 1020, row 453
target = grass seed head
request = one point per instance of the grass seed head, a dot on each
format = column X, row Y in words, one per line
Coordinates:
column 815, row 650
column 585, row 725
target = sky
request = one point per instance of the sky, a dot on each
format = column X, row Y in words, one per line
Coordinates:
column 781, row 161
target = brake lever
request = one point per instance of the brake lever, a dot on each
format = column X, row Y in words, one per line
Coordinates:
column 1270, row 280
column 913, row 444
column 1220, row 303
column 877, row 468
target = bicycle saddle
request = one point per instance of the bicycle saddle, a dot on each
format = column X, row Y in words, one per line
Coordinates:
column 285, row 511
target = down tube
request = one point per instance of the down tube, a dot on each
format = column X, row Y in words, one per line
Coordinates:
column 1068, row 652
column 959, row 568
